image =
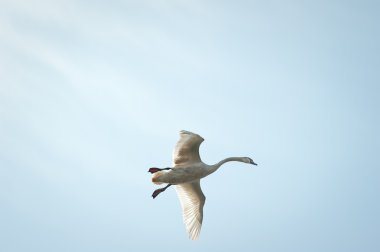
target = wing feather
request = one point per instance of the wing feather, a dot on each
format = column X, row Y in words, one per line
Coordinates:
column 187, row 148
column 192, row 201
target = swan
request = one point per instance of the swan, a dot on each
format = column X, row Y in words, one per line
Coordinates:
column 185, row 174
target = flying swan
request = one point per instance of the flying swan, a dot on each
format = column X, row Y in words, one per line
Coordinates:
column 185, row 174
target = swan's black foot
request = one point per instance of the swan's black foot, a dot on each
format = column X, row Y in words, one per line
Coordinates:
column 157, row 192
column 160, row 190
column 154, row 169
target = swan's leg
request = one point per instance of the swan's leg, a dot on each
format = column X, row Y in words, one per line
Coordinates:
column 158, row 191
column 154, row 169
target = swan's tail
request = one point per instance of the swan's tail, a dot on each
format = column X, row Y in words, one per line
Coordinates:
column 156, row 177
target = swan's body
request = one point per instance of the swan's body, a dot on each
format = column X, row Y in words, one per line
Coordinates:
column 185, row 174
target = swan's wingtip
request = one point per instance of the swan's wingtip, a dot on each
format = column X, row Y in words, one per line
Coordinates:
column 194, row 236
column 185, row 132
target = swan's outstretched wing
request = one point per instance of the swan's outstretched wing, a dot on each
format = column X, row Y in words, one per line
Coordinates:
column 192, row 201
column 186, row 150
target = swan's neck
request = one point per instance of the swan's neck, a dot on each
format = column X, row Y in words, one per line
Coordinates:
column 216, row 166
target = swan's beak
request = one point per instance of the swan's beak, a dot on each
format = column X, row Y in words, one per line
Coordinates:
column 253, row 162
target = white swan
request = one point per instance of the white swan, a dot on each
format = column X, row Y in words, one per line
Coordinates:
column 185, row 174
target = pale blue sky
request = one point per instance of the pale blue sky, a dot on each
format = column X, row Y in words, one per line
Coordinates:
column 93, row 93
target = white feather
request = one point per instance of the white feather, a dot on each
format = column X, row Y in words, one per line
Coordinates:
column 192, row 201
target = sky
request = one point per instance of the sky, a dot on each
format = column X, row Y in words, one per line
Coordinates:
column 94, row 93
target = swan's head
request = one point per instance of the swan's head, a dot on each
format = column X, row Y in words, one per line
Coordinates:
column 249, row 161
